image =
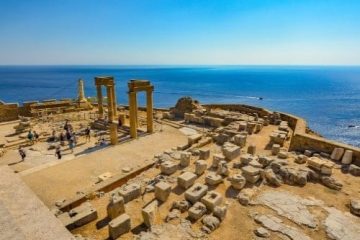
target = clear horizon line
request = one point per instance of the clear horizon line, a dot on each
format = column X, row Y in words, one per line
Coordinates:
column 188, row 65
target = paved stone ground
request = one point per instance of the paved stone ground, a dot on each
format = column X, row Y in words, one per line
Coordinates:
column 23, row 215
column 63, row 180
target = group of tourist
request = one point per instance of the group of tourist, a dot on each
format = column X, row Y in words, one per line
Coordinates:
column 32, row 136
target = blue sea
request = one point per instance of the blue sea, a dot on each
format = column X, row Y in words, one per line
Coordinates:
column 327, row 97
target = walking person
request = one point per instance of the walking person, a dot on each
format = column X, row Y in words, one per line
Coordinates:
column 62, row 139
column 87, row 134
column 71, row 144
column 58, row 152
column 22, row 153
column 30, row 137
column 36, row 136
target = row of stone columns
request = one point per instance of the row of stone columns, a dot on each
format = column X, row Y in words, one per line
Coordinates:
column 108, row 82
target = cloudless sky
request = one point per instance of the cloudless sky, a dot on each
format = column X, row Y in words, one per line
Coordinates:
column 319, row 32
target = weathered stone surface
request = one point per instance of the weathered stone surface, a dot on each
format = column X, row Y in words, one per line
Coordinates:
column 223, row 169
column 200, row 167
column 354, row 170
column 220, row 212
column 301, row 159
column 221, row 138
column 240, row 140
column 245, row 159
column 275, row 149
column 196, row 192
column 337, row 154
column 119, row 226
column 265, row 160
column 213, row 179
column 230, row 151
column 204, row 154
column 355, row 207
column 282, row 154
column 216, row 159
column 82, row 215
column 168, row 167
column 271, row 177
column 129, row 192
column 332, row 183
column 162, row 191
column 116, row 206
column 181, row 205
column 347, row 158
column 197, row 211
column 275, row 224
column 340, row 226
column 185, row 159
column 210, row 223
column 250, row 170
column 251, row 149
column 262, row 232
column 237, row 181
column 186, row 179
column 211, row 200
column 245, row 196
column 173, row 214
column 149, row 213
column 290, row 206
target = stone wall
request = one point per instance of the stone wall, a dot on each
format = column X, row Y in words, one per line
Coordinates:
column 300, row 139
column 9, row 112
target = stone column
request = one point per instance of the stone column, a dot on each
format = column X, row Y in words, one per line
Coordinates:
column 100, row 101
column 149, row 110
column 132, row 110
column 114, row 101
column 113, row 133
column 110, row 104
column 81, row 94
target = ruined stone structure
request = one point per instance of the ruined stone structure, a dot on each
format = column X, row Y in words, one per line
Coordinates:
column 136, row 86
column 82, row 101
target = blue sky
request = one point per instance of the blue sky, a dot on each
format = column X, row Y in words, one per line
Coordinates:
column 316, row 32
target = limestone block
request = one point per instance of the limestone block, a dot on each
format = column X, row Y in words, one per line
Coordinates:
column 251, row 149
column 130, row 192
column 230, row 151
column 200, row 167
column 115, row 207
column 211, row 200
column 213, row 179
column 300, row 159
column 82, row 215
column 204, row 154
column 168, row 167
column 223, row 169
column 185, row 159
column 337, row 153
column 258, row 127
column 162, row 191
column 186, row 179
column 265, row 160
column 245, row 159
column 220, row 212
column 240, row 140
column 326, row 168
column 216, row 159
column 197, row 211
column 332, row 183
column 355, row 207
column 250, row 127
column 210, row 224
column 271, row 177
column 251, row 174
column 149, row 213
column 347, row 158
column 308, row 153
column 242, row 126
column 237, row 181
column 222, row 138
column 275, row 149
column 181, row 205
column 194, row 138
column 255, row 164
column 354, row 170
column 196, row 192
column 119, row 226
column 315, row 163
column 282, row 154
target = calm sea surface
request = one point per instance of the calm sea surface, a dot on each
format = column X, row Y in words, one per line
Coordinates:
column 328, row 97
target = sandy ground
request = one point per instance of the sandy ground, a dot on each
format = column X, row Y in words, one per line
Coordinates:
column 63, row 180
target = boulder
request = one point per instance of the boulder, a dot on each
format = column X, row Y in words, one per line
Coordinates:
column 355, row 207
column 354, row 170
column 332, row 183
